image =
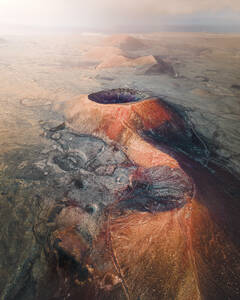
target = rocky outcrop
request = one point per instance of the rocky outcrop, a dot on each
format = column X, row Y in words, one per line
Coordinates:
column 161, row 67
column 236, row 86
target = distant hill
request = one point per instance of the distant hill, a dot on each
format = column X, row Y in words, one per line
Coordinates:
column 125, row 42
column 102, row 53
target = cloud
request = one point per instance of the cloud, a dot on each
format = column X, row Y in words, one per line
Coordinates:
column 158, row 7
column 93, row 12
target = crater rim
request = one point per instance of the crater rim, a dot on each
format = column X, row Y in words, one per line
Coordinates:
column 119, row 96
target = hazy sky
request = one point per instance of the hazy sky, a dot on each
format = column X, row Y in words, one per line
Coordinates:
column 107, row 13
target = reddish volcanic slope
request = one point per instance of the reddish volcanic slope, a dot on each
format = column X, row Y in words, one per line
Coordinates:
column 121, row 123
column 164, row 237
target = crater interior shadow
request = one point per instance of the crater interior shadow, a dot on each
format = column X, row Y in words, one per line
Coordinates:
column 120, row 95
